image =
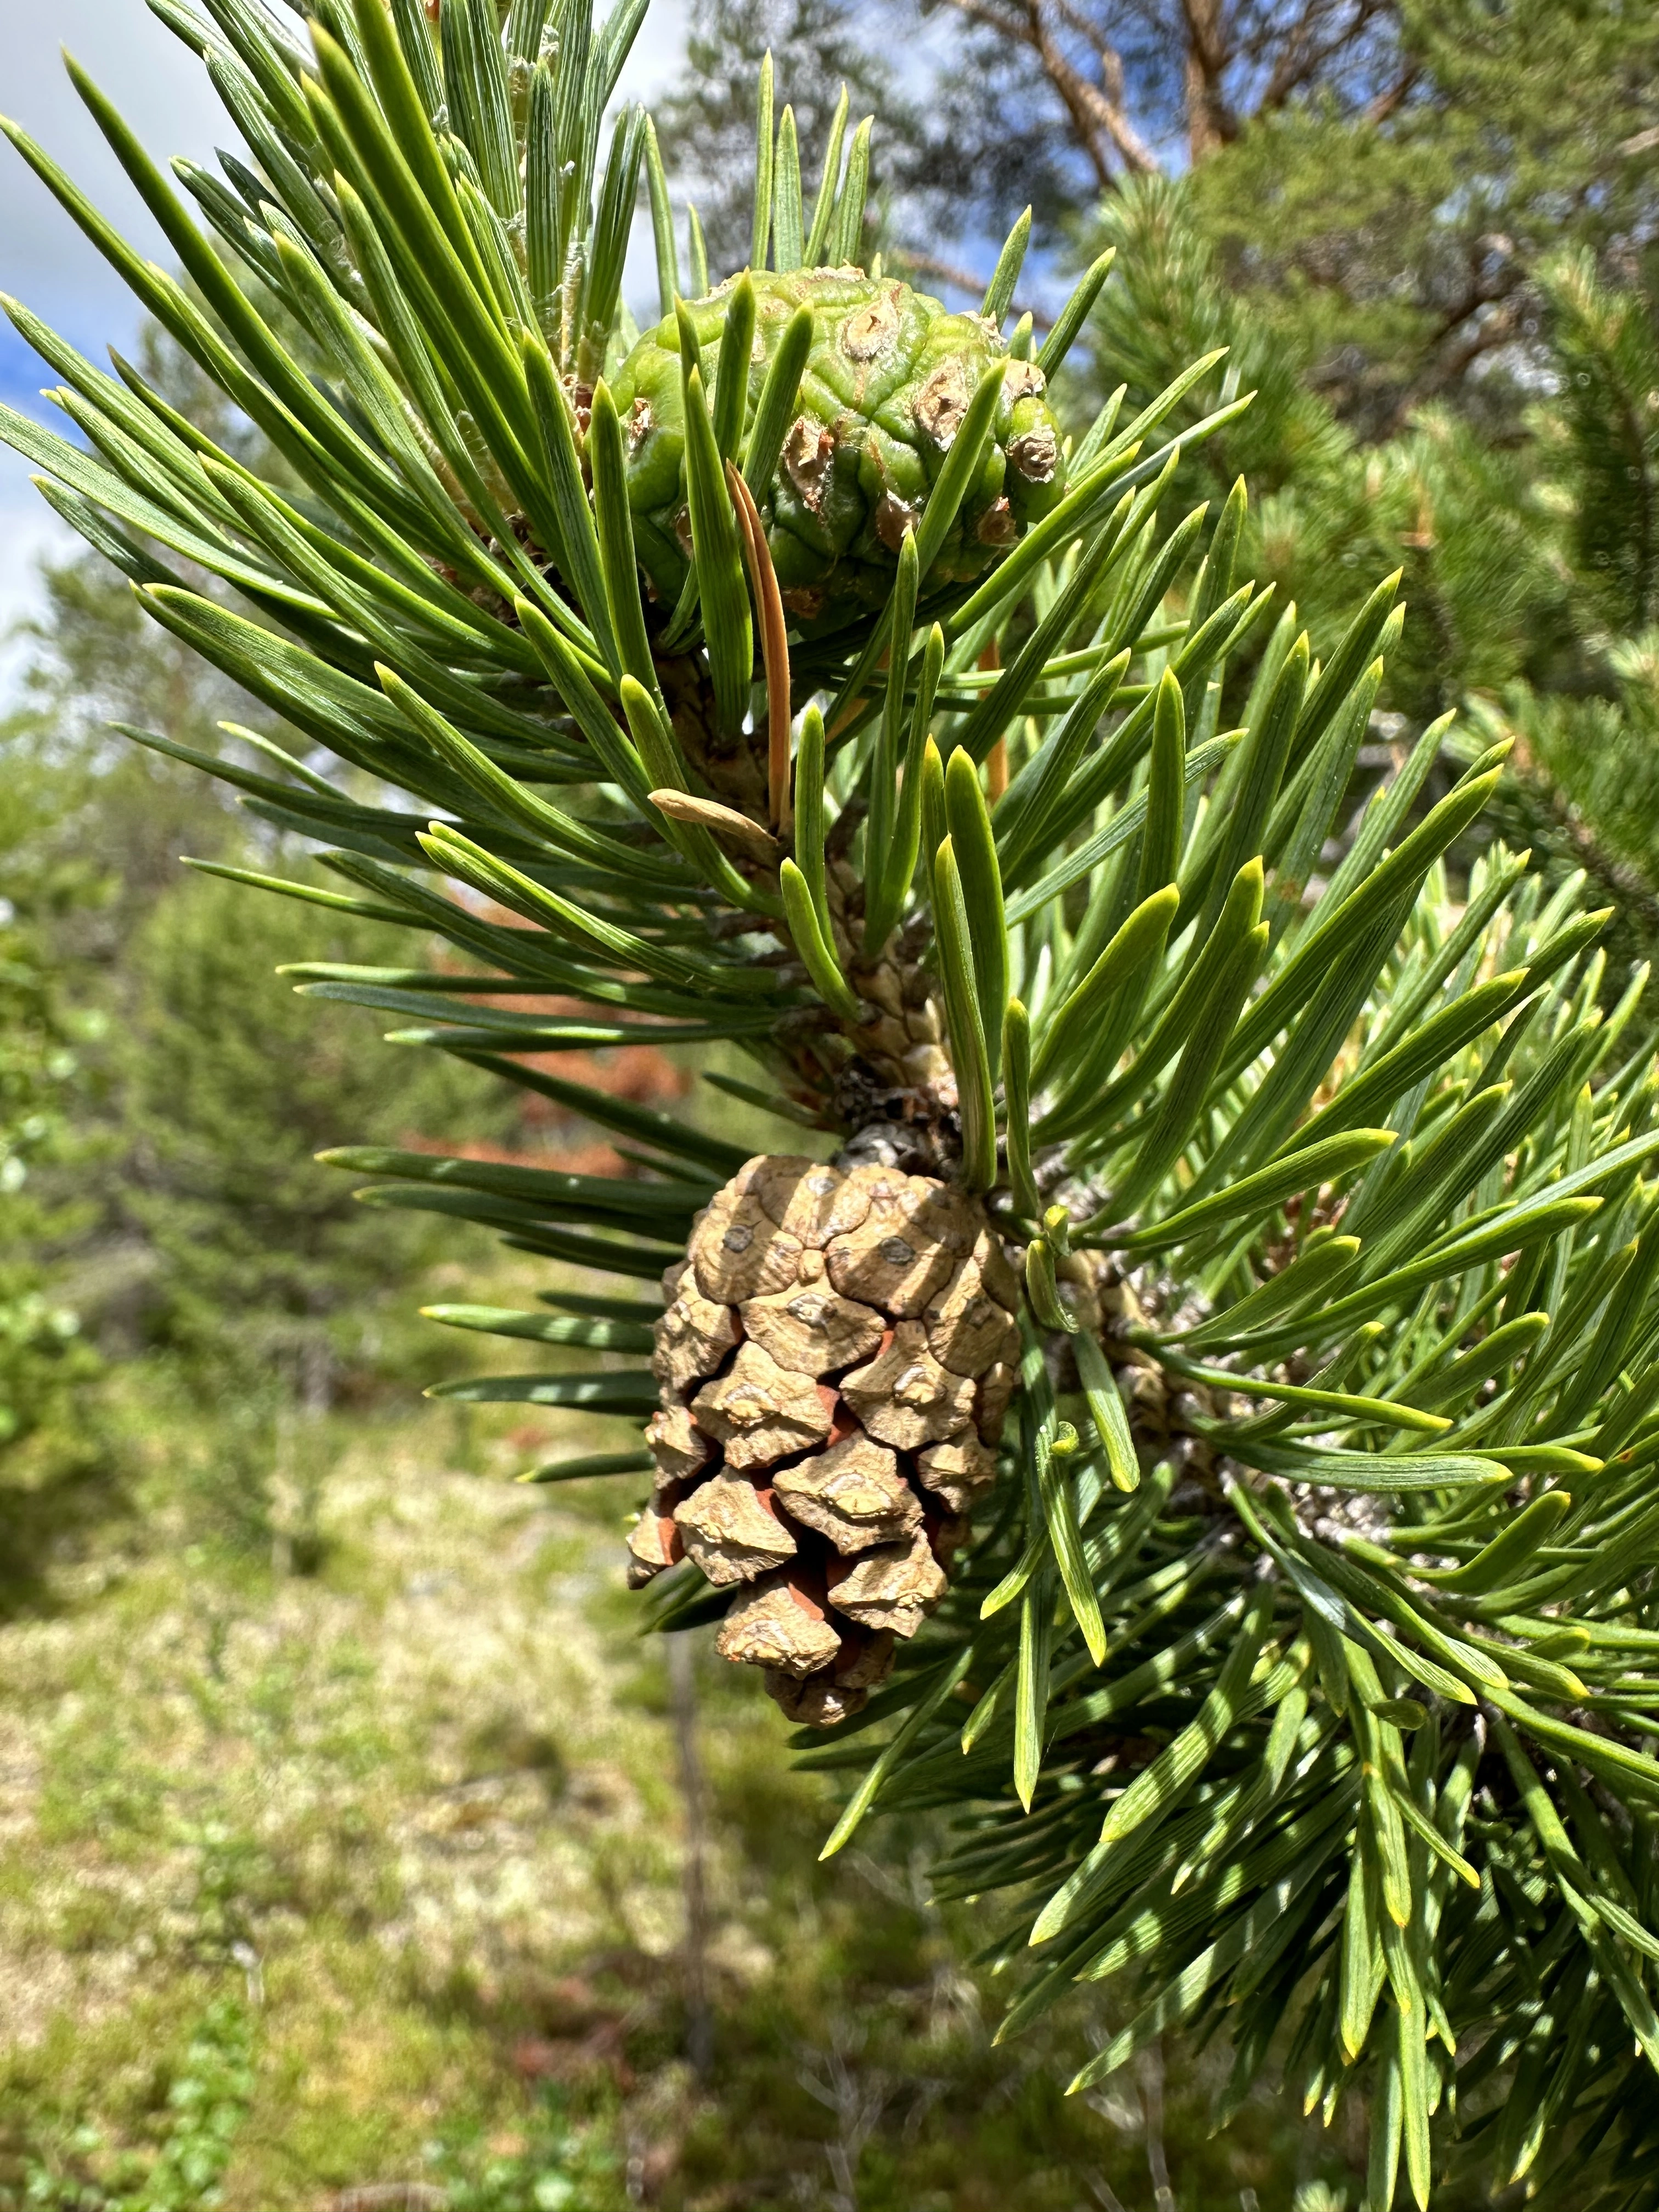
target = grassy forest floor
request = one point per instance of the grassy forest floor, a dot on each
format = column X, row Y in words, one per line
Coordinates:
column 342, row 1861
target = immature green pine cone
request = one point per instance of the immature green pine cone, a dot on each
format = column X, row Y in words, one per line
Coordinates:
column 886, row 384
column 835, row 1361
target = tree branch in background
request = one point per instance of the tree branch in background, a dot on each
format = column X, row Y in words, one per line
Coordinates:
column 962, row 280
column 1129, row 75
column 1328, row 36
column 1388, row 102
column 1098, row 110
column 1210, row 119
column 1487, row 338
column 1625, row 882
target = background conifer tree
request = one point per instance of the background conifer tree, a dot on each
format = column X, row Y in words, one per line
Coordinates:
column 1197, row 1429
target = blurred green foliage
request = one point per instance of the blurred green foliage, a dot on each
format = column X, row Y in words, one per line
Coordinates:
column 228, row 1083
column 1400, row 250
column 40, row 1354
column 162, row 1089
column 44, row 1042
column 207, row 2099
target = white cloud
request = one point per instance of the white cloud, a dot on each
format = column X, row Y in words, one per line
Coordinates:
column 29, row 530
column 45, row 260
column 659, row 52
column 160, row 88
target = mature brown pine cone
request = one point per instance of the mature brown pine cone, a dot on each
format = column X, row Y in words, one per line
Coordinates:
column 835, row 1362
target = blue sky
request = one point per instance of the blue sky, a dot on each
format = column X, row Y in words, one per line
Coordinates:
column 161, row 88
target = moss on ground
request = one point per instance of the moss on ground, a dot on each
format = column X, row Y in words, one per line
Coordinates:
column 314, row 1884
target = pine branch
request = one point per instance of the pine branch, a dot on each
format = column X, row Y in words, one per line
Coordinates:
column 1200, row 1429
